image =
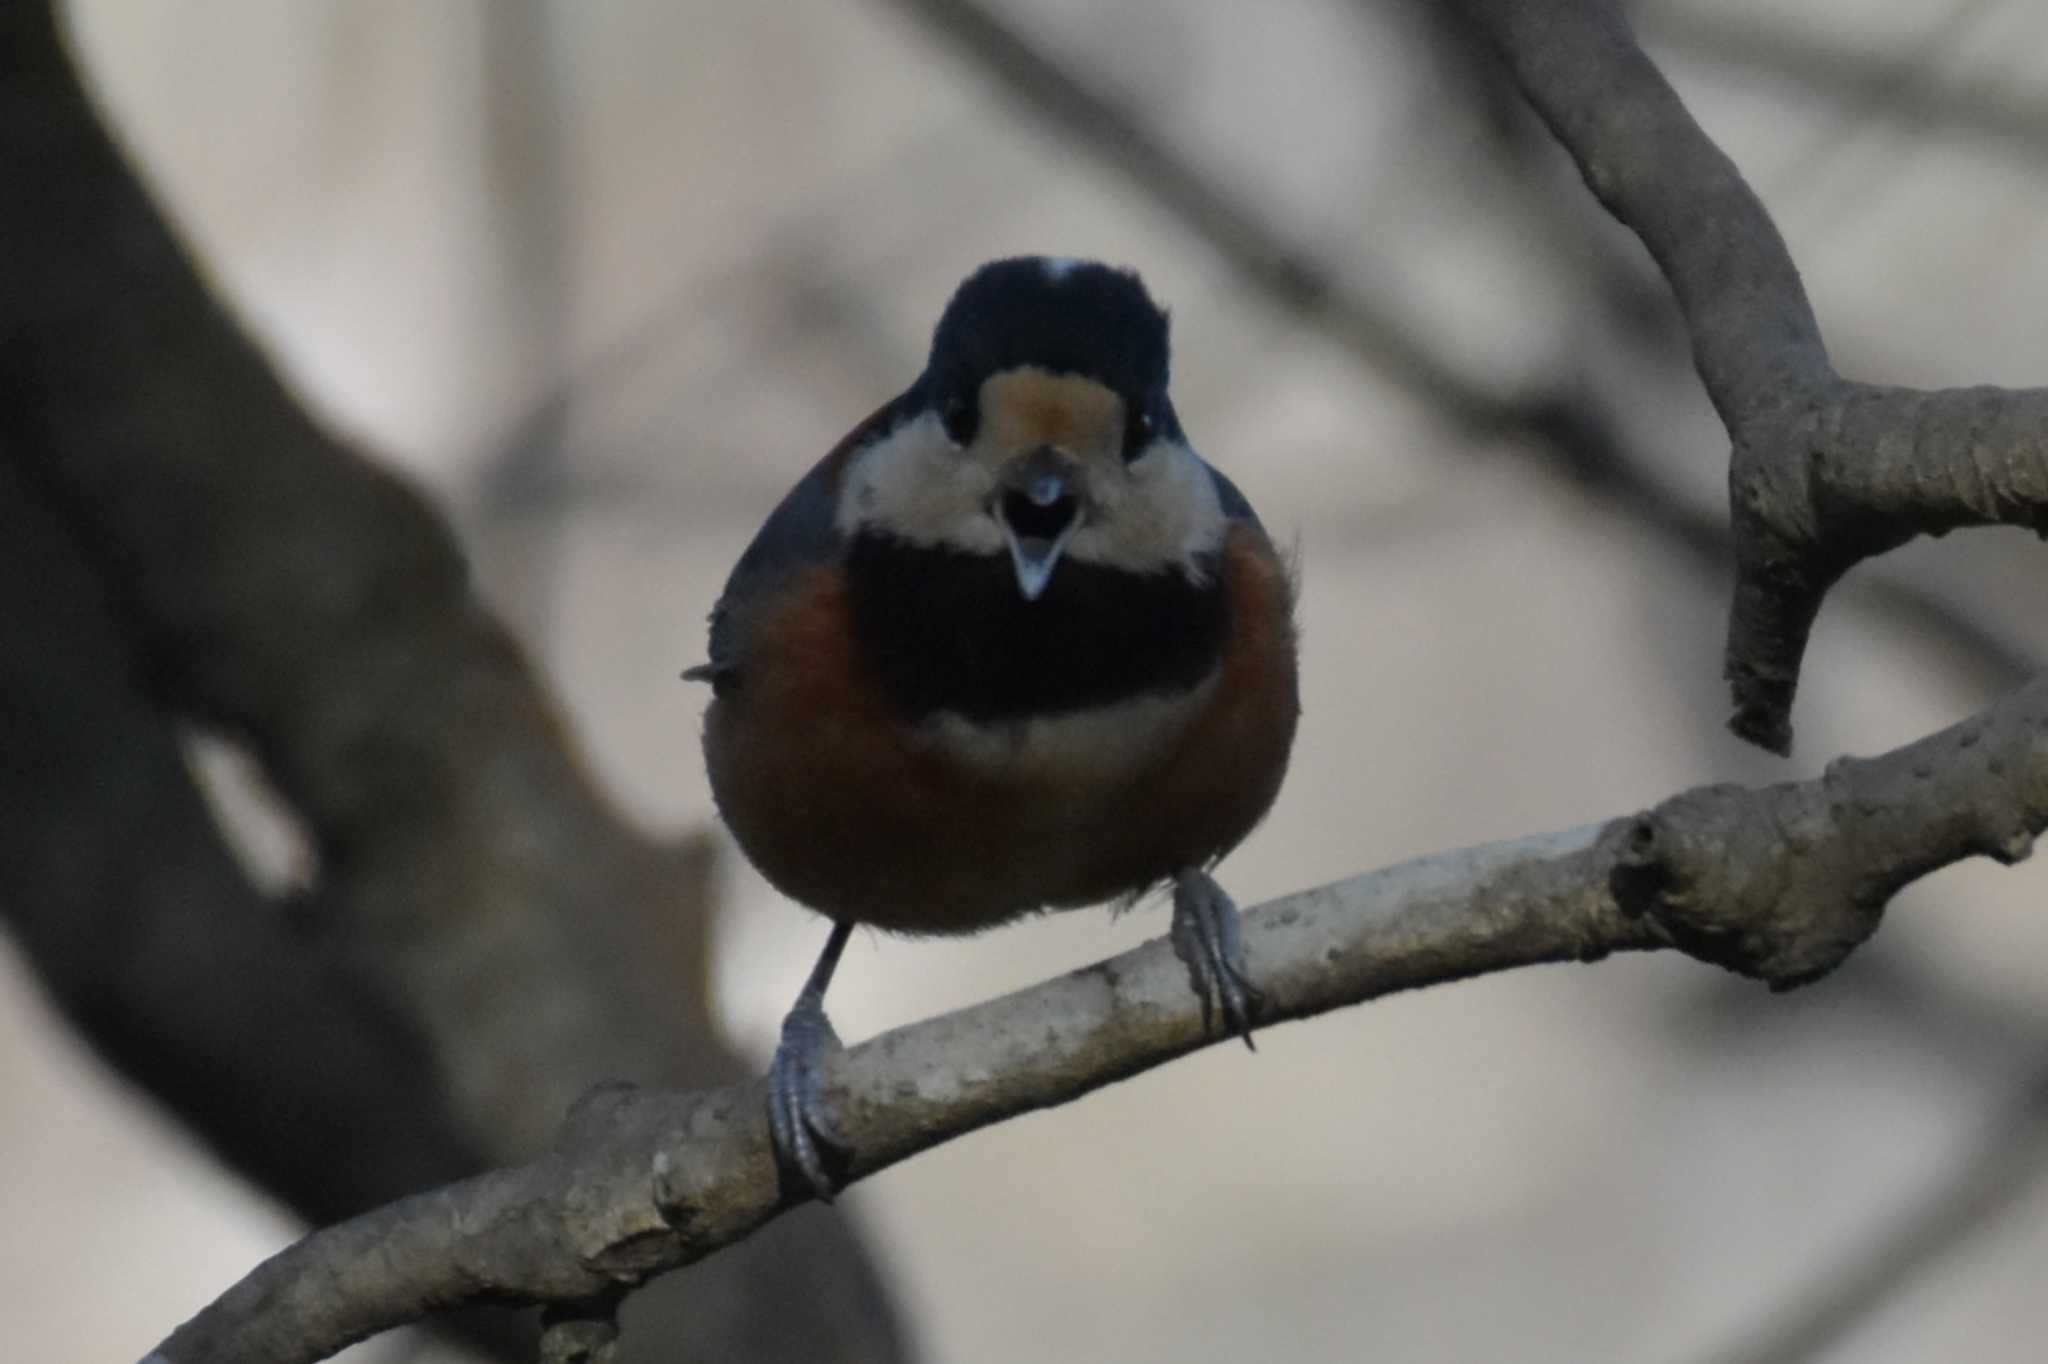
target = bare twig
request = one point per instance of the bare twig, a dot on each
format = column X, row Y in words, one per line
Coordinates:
column 1780, row 882
column 1825, row 472
column 1565, row 424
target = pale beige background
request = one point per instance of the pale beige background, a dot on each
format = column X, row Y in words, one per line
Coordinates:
column 727, row 229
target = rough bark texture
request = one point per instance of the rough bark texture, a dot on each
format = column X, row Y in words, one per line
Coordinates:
column 483, row 920
column 1567, row 424
column 1778, row 882
column 1825, row 472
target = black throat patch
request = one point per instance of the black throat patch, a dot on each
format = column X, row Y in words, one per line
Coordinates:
column 949, row 631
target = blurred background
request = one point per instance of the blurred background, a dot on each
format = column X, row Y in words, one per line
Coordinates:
column 606, row 277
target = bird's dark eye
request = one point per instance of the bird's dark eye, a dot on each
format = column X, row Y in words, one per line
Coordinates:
column 1140, row 428
column 961, row 415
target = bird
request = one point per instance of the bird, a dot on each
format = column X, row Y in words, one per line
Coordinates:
column 1011, row 646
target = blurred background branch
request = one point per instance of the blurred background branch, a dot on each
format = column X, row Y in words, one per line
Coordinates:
column 1992, row 1181
column 1567, row 423
column 494, row 938
column 708, row 238
column 1903, row 85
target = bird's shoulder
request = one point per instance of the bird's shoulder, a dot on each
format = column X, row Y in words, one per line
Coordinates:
column 802, row 532
column 1236, row 507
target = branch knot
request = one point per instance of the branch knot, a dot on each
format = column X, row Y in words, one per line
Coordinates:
column 1747, row 879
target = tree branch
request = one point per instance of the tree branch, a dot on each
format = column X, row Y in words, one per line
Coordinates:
column 1779, row 882
column 1564, row 424
column 352, row 650
column 476, row 887
column 1825, row 472
column 120, row 890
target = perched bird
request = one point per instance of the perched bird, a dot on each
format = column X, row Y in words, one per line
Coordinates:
column 1012, row 645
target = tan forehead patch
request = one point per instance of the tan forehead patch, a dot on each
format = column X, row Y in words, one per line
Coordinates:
column 1023, row 409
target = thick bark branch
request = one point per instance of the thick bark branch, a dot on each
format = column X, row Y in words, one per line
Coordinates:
column 1566, row 425
column 286, row 588
column 118, row 888
column 1825, row 472
column 1779, row 882
column 475, row 887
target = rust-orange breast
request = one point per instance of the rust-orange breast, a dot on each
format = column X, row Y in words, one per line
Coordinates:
column 847, row 807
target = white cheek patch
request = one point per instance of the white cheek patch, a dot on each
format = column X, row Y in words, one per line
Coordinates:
column 1159, row 511
column 1105, row 743
column 920, row 487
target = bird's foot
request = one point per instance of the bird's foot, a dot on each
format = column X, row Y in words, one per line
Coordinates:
column 805, row 1139
column 1206, row 935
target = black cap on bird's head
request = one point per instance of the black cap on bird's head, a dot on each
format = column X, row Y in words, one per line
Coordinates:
column 1041, row 431
column 1062, row 320
column 1053, row 314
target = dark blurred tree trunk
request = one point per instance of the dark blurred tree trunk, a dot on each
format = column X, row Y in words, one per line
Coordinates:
column 181, row 544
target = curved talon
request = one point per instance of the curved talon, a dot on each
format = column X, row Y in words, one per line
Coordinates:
column 1206, row 936
column 805, row 1137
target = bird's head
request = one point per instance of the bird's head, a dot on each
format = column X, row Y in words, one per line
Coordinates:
column 1041, row 430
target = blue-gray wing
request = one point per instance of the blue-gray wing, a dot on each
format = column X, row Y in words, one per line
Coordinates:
column 800, row 533
column 1235, row 505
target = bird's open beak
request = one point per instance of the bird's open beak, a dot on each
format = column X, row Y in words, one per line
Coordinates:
column 1039, row 512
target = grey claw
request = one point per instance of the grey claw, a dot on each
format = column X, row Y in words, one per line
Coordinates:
column 805, row 1138
column 1207, row 937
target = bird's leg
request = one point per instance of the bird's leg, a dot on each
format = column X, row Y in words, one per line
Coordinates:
column 803, row 1132
column 1206, row 936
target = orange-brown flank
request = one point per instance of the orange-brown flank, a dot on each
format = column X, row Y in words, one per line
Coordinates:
column 846, row 809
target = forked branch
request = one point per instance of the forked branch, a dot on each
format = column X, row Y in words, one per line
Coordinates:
column 1778, row 882
column 1825, row 472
